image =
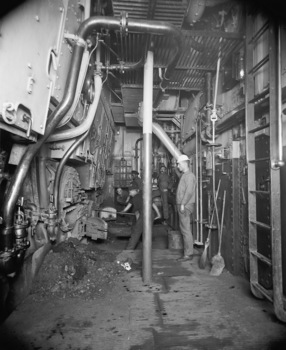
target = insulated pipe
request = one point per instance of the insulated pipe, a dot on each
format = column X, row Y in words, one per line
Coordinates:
column 61, row 166
column 136, row 152
column 138, row 26
column 164, row 138
column 147, row 167
column 85, row 126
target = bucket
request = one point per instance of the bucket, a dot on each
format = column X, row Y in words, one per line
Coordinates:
column 175, row 240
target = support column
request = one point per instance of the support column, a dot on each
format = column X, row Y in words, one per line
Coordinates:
column 147, row 167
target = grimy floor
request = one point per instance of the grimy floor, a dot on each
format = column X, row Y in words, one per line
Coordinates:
column 183, row 308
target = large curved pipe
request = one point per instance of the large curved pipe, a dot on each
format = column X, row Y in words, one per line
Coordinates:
column 167, row 142
column 89, row 25
column 139, row 26
column 61, row 166
column 85, row 126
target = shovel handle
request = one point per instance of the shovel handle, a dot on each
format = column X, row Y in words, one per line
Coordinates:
column 116, row 213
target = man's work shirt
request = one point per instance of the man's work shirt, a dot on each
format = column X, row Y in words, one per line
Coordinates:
column 164, row 181
column 137, row 202
column 186, row 193
column 138, row 182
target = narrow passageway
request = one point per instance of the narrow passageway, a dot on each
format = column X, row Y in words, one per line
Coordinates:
column 183, row 308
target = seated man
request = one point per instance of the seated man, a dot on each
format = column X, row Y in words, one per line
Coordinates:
column 136, row 202
column 123, row 196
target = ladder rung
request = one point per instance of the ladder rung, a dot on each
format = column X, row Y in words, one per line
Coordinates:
column 260, row 224
column 259, row 33
column 263, row 193
column 260, row 64
column 259, row 160
column 267, row 293
column 261, row 257
column 260, row 127
column 260, row 97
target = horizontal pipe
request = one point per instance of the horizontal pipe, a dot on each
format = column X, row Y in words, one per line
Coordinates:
column 139, row 26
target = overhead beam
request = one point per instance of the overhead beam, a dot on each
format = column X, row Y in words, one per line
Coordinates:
column 139, row 86
column 213, row 34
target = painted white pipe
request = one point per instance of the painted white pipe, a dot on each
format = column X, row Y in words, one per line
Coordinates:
column 165, row 139
column 82, row 128
column 82, row 74
column 147, row 167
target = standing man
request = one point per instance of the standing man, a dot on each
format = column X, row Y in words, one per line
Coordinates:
column 185, row 199
column 164, row 183
column 136, row 179
column 136, row 202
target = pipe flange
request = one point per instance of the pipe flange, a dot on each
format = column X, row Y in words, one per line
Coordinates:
column 124, row 23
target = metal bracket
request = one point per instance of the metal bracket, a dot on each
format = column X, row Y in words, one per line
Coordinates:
column 73, row 39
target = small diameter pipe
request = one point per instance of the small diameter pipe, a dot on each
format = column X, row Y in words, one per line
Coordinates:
column 197, row 188
column 201, row 185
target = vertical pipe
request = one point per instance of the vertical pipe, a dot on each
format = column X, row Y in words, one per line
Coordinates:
column 197, row 187
column 147, row 168
column 44, row 199
column 201, row 182
column 278, row 162
column 136, row 154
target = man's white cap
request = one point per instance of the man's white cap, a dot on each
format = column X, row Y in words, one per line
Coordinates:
column 182, row 158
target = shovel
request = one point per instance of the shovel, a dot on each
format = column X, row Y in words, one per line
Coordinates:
column 112, row 212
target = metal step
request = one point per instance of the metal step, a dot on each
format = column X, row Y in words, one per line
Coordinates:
column 259, row 33
column 260, row 224
column 258, row 160
column 261, row 257
column 267, row 293
column 260, row 127
column 263, row 193
column 260, row 64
